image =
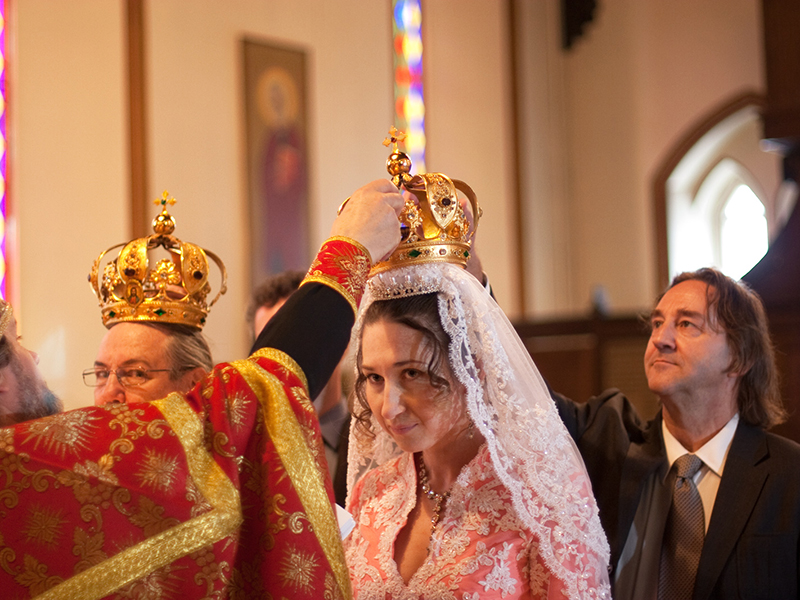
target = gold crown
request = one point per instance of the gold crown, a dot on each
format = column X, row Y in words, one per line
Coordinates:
column 173, row 291
column 433, row 225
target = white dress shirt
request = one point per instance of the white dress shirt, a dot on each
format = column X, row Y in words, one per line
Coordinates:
column 713, row 453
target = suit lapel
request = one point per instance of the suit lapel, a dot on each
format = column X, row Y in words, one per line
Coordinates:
column 738, row 492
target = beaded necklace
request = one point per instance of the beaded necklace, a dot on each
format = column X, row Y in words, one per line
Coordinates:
column 438, row 499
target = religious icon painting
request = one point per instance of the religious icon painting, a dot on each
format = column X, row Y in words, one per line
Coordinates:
column 277, row 157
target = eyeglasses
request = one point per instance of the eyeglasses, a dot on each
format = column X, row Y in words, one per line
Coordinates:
column 130, row 377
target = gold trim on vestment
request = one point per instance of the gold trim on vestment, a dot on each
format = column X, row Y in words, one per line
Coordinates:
column 333, row 284
column 290, row 443
column 170, row 545
column 286, row 361
column 352, row 242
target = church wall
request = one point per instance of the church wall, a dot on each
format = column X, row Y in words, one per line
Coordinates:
column 595, row 123
column 197, row 121
column 643, row 73
column 74, row 128
column 548, row 252
column 68, row 177
column 468, row 121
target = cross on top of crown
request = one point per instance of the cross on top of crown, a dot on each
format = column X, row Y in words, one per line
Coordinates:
column 164, row 200
column 394, row 137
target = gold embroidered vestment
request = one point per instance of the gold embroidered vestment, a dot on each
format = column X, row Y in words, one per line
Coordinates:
column 218, row 493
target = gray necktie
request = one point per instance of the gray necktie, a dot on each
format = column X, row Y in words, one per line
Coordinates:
column 684, row 534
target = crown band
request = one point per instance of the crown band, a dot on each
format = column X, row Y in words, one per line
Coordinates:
column 425, row 252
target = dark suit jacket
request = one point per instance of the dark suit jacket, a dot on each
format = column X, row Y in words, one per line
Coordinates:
column 752, row 546
column 314, row 329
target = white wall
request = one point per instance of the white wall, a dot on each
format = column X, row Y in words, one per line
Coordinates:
column 70, row 161
column 467, row 119
column 68, row 175
column 549, row 254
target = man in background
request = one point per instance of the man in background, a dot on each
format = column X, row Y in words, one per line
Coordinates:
column 269, row 296
column 701, row 502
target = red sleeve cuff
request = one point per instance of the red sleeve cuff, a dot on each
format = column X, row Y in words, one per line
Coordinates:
column 342, row 264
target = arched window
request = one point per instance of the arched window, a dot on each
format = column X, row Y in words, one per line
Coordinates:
column 719, row 191
column 743, row 236
column 723, row 224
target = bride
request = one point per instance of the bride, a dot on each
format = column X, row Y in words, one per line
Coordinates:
column 462, row 480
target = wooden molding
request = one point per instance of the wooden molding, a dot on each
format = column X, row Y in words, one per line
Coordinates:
column 137, row 118
column 781, row 19
column 517, row 210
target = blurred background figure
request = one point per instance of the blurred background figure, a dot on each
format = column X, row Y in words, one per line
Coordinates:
column 23, row 393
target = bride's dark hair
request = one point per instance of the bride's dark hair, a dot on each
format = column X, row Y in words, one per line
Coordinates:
column 420, row 313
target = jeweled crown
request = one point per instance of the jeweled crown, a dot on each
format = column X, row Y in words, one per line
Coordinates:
column 174, row 289
column 434, row 226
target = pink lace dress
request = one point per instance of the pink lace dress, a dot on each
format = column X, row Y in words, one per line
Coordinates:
column 479, row 548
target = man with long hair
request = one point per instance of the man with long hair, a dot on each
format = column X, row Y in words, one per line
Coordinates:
column 711, row 363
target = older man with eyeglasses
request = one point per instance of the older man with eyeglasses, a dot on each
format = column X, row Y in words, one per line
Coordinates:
column 142, row 362
column 153, row 300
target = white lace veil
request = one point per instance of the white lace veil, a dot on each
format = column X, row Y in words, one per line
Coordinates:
column 509, row 403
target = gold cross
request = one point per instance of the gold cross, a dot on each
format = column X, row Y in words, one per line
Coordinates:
column 164, row 200
column 394, row 137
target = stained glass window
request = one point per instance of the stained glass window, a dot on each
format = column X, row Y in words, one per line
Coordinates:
column 3, row 147
column 408, row 96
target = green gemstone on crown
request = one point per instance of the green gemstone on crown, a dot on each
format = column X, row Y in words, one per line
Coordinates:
column 414, row 253
column 160, row 312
